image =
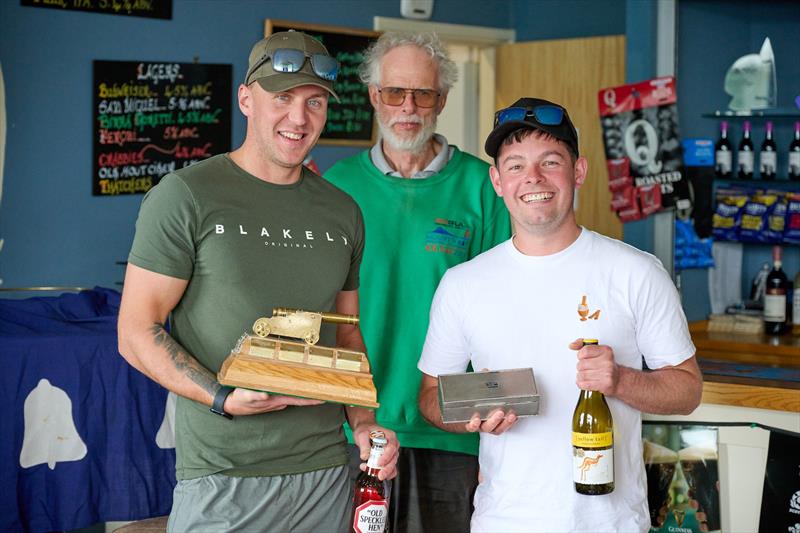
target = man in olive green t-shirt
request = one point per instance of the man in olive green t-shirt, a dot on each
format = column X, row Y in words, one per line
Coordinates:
column 218, row 245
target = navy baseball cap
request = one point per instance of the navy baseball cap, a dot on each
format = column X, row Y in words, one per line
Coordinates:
column 535, row 113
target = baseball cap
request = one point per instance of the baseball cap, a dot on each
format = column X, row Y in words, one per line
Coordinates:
column 532, row 112
column 318, row 68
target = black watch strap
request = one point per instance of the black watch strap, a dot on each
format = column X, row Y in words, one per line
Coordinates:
column 219, row 402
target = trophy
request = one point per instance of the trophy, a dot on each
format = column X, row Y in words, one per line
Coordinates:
column 282, row 357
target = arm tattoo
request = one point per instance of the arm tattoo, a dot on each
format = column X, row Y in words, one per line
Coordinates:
column 183, row 361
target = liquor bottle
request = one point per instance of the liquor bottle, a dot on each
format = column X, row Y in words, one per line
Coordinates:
column 775, row 297
column 592, row 442
column 371, row 497
column 794, row 154
column 745, row 155
column 723, row 154
column 768, row 156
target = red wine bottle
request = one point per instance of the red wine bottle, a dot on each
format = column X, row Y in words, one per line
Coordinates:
column 723, row 154
column 745, row 155
column 794, row 155
column 768, row 157
column 775, row 297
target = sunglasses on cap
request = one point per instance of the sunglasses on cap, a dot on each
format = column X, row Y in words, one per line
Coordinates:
column 397, row 95
column 291, row 60
column 547, row 115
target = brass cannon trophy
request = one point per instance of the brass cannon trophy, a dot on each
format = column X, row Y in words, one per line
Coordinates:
column 275, row 360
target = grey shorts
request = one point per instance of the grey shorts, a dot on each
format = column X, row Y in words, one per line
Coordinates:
column 316, row 501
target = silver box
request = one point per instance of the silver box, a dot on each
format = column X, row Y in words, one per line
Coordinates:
column 462, row 395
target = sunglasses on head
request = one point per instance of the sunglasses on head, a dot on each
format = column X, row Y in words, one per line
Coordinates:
column 397, row 95
column 545, row 114
column 291, row 60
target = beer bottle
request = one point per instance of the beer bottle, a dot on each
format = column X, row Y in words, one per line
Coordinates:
column 371, row 498
column 592, row 442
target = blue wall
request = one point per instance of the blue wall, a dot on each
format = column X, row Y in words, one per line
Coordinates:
column 536, row 20
column 55, row 232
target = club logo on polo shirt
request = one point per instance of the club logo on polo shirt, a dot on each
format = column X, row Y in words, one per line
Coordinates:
column 448, row 237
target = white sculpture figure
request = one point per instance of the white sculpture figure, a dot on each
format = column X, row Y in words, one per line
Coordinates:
column 751, row 81
column 50, row 434
column 165, row 438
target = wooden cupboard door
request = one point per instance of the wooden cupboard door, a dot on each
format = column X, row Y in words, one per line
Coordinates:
column 570, row 72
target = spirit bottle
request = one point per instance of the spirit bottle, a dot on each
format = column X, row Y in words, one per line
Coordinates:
column 775, row 297
column 592, row 442
column 768, row 157
column 371, row 498
column 745, row 155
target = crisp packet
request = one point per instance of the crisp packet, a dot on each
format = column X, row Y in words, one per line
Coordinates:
column 727, row 216
column 754, row 217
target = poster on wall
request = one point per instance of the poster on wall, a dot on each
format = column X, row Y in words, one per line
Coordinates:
column 643, row 148
column 152, row 118
column 682, row 478
column 158, row 9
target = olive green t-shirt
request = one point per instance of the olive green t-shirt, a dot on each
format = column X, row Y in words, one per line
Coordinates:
column 246, row 246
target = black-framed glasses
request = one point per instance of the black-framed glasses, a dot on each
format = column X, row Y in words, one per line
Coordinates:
column 292, row 60
column 545, row 114
column 397, row 95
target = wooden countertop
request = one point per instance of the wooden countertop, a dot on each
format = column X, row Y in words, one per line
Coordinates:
column 744, row 348
column 777, row 354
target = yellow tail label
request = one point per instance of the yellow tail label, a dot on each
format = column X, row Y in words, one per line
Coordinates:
column 592, row 440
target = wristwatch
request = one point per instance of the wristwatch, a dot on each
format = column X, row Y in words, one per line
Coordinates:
column 219, row 402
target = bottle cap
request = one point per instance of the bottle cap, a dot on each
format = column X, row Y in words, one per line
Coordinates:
column 378, row 437
column 590, row 341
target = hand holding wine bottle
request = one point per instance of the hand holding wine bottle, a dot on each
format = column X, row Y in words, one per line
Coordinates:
column 597, row 369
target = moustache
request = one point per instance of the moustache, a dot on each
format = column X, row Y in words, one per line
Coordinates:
column 414, row 119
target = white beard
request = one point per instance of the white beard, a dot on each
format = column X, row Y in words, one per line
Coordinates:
column 414, row 144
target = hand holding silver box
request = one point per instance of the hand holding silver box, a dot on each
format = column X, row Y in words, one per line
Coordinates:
column 464, row 394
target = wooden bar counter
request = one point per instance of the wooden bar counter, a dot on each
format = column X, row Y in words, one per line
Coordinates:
column 748, row 370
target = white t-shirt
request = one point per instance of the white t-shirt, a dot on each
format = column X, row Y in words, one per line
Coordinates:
column 504, row 310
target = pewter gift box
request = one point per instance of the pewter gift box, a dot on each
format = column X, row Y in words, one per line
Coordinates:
column 462, row 395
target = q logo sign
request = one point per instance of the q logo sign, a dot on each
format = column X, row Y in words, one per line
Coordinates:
column 642, row 154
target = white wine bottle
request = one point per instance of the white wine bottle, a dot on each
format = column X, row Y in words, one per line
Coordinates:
column 592, row 443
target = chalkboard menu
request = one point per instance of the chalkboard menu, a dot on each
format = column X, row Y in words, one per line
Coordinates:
column 153, row 118
column 350, row 121
column 158, row 9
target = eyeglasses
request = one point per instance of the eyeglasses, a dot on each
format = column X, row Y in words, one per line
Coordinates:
column 547, row 115
column 397, row 95
column 292, row 60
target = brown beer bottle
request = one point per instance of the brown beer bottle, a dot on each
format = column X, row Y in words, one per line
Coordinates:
column 592, row 443
column 371, row 498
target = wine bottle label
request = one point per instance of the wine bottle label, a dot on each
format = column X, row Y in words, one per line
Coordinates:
column 592, row 467
column 592, row 440
column 724, row 162
column 746, row 162
column 775, row 307
column 370, row 517
column 794, row 162
column 769, row 162
column 796, row 305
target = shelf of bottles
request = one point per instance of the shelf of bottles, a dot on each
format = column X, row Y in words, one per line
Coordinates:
column 761, row 167
column 775, row 113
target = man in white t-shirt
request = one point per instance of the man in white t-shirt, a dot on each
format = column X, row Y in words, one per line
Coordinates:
column 528, row 303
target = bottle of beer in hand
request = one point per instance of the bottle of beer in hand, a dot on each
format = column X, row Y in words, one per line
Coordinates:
column 371, row 498
column 592, row 443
